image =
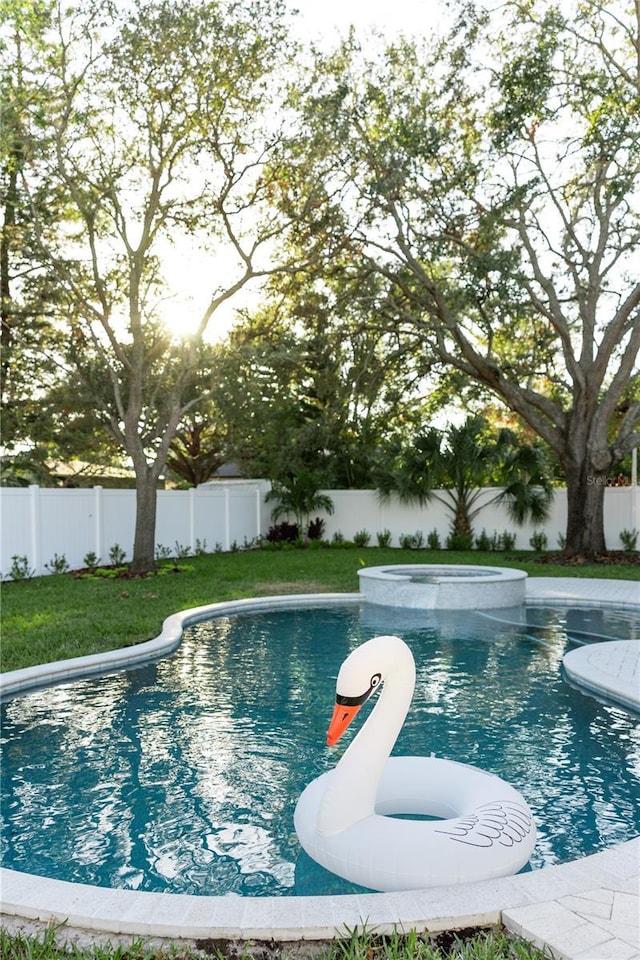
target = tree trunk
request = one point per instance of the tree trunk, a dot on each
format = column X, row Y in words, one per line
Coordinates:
column 461, row 523
column 145, row 532
column 7, row 333
column 585, row 511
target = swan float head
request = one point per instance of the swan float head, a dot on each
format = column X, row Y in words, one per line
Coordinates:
column 364, row 670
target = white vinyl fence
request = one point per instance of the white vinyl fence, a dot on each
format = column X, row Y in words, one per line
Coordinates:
column 39, row 523
column 357, row 510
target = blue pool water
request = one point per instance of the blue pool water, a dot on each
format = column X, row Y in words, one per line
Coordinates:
column 183, row 775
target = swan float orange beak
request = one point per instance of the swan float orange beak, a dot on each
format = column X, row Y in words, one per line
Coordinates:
column 342, row 717
column 346, row 709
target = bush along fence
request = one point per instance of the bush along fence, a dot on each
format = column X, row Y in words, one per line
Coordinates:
column 51, row 530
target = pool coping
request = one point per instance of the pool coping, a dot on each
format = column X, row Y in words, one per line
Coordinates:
column 544, row 896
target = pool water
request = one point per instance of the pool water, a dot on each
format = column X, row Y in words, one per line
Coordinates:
column 433, row 574
column 182, row 776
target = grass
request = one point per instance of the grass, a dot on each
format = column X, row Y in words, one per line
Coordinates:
column 487, row 945
column 59, row 616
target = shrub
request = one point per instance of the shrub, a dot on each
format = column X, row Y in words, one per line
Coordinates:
column 507, row 540
column 629, row 539
column 433, row 540
column 362, row 538
column 483, row 541
column 338, row 538
column 411, row 541
column 460, row 541
column 117, row 555
column 20, row 569
column 315, row 530
column 58, row 564
column 384, row 538
column 497, row 541
column 162, row 553
column 284, row 532
column 91, row 560
column 298, row 495
column 316, row 544
column 538, row 540
column 201, row 547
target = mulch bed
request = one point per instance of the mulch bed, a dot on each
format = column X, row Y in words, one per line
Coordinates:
column 611, row 557
column 446, row 941
column 124, row 573
column 618, row 557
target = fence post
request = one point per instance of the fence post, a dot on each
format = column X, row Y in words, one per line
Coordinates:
column 258, row 512
column 34, row 525
column 227, row 520
column 192, row 519
column 97, row 506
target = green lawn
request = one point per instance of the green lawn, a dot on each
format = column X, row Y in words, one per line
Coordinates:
column 59, row 616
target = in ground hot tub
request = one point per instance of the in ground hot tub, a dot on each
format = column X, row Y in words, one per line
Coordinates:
column 432, row 587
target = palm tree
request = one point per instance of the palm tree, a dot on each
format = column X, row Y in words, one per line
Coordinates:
column 298, row 495
column 453, row 466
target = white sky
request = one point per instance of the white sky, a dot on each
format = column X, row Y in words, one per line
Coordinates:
column 323, row 22
column 329, row 18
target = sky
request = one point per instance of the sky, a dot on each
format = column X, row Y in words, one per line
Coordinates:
column 322, row 22
column 328, row 18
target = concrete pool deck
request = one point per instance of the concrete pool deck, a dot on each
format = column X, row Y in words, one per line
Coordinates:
column 588, row 909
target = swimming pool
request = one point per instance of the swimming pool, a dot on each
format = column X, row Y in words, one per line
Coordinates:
column 212, row 812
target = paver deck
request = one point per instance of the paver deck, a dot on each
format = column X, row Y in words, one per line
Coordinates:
column 610, row 669
column 585, row 910
column 603, row 923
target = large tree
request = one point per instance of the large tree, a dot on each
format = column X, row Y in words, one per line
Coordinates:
column 27, row 289
column 306, row 384
column 493, row 181
column 162, row 115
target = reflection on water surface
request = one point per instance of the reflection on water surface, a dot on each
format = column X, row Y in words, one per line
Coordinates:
column 183, row 775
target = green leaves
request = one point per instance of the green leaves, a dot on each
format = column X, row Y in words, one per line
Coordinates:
column 455, row 464
column 308, row 384
column 527, row 84
column 299, row 495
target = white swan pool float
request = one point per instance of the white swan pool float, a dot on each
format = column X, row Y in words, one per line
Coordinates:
column 343, row 817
